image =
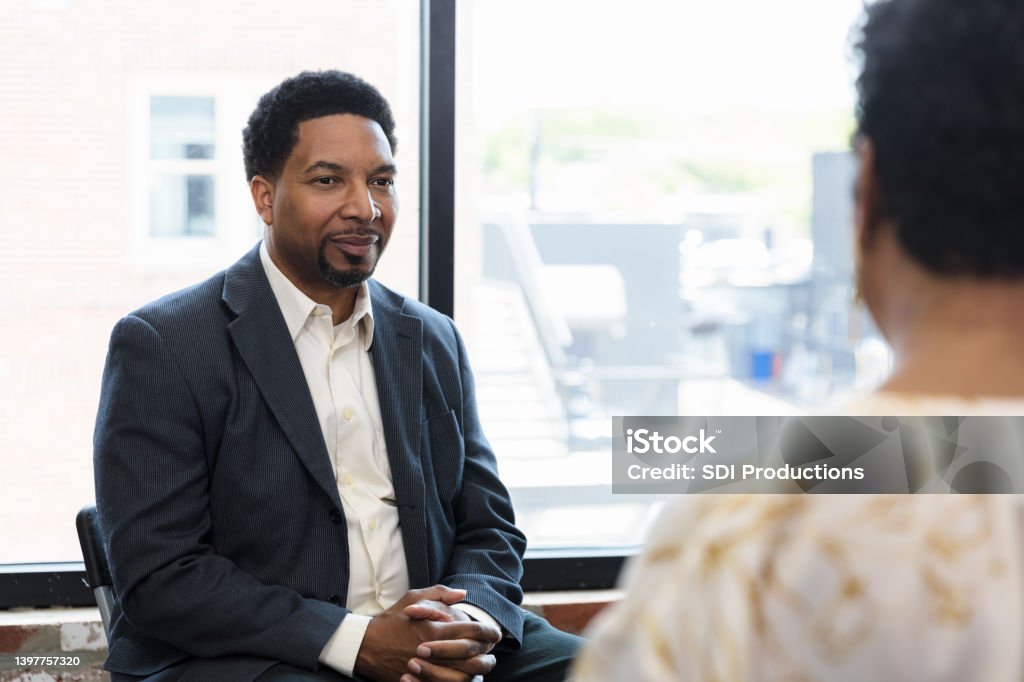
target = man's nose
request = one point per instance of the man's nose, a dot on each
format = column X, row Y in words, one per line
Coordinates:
column 359, row 205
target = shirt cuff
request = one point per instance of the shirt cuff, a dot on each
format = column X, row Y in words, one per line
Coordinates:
column 342, row 648
column 478, row 614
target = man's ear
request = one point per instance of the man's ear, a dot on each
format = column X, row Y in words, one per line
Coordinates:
column 262, row 191
column 866, row 194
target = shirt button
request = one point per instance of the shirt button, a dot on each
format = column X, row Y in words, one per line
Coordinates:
column 373, row 524
column 318, row 312
column 347, row 413
column 349, row 478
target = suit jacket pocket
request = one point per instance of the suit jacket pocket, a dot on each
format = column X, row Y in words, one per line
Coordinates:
column 444, row 453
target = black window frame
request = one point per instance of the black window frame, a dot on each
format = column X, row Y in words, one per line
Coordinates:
column 65, row 584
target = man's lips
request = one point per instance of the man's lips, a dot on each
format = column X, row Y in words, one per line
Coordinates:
column 355, row 245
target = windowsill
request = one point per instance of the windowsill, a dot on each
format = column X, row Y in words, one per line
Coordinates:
column 79, row 631
column 570, row 610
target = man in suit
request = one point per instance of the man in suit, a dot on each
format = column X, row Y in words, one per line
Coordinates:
column 291, row 476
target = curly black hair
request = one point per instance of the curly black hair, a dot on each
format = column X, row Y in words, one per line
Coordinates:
column 273, row 128
column 941, row 96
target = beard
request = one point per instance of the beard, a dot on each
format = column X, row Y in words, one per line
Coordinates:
column 343, row 279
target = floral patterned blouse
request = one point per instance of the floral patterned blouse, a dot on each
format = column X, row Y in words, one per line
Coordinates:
column 818, row 587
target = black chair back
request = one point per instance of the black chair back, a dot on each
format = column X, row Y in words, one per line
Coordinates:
column 96, row 568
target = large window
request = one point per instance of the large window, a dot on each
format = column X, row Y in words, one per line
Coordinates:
column 653, row 218
column 122, row 181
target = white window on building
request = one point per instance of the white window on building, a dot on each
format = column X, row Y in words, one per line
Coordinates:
column 182, row 162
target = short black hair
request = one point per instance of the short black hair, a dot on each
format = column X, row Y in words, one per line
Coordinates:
column 941, row 96
column 273, row 128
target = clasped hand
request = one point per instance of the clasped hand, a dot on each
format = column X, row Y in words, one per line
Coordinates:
column 421, row 638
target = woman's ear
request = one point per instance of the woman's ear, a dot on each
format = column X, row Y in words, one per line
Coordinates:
column 866, row 195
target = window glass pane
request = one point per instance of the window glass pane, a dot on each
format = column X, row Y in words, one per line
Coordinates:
column 659, row 227
column 182, row 127
column 149, row 135
column 181, row 205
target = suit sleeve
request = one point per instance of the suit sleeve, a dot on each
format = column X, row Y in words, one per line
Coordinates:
column 152, row 479
column 487, row 558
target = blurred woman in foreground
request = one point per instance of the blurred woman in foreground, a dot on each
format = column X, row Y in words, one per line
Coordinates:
column 926, row 587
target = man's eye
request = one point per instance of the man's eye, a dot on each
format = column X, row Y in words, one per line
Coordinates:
column 383, row 182
column 324, row 181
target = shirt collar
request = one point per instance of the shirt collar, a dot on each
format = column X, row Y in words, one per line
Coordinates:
column 297, row 307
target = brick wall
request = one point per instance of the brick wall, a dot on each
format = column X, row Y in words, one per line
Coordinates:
column 70, row 633
column 73, row 81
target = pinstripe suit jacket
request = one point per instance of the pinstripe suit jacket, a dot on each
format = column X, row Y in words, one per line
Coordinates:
column 218, row 501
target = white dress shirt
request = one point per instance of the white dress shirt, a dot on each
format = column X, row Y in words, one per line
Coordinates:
column 338, row 371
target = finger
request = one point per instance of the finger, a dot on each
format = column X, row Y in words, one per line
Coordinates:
column 441, row 593
column 452, row 595
column 472, row 629
column 429, row 610
column 453, row 649
column 433, row 672
column 420, row 612
column 477, row 665
column 429, row 672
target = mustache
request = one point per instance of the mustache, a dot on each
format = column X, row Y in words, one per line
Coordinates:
column 359, row 232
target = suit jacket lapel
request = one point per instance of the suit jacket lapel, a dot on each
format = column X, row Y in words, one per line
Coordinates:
column 262, row 339
column 397, row 356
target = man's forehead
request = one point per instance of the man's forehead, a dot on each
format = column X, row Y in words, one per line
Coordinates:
column 342, row 133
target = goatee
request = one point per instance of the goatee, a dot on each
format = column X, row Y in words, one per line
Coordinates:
column 342, row 279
